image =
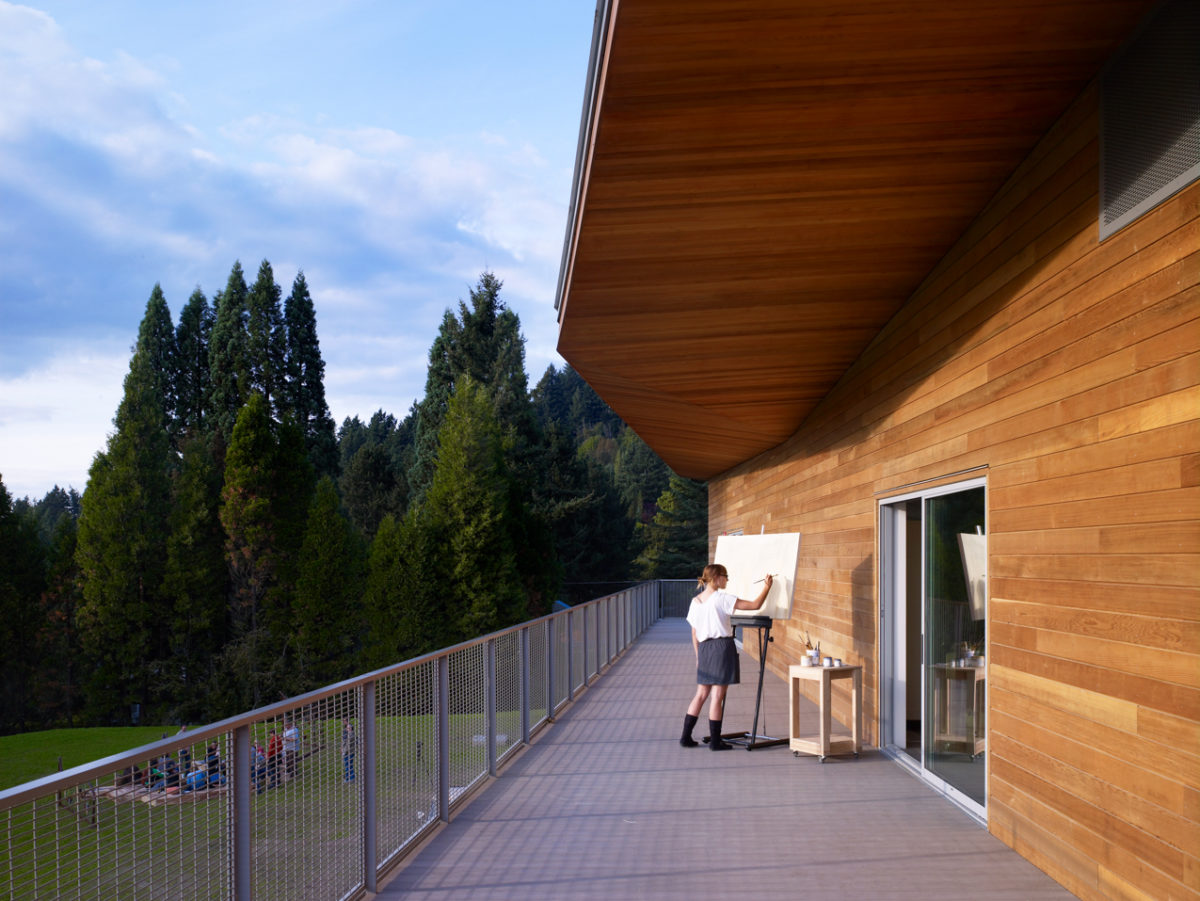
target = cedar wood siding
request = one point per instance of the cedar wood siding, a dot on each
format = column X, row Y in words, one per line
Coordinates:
column 1068, row 372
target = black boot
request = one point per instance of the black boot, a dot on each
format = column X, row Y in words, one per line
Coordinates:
column 689, row 723
column 715, row 742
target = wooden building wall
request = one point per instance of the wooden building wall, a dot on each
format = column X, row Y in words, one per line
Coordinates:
column 1068, row 371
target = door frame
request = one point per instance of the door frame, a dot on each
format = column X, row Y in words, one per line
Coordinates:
column 892, row 630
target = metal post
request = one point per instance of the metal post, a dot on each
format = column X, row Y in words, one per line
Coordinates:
column 526, row 665
column 489, row 694
column 614, row 618
column 570, row 655
column 583, row 641
column 241, row 813
column 443, row 736
column 366, row 780
column 551, row 640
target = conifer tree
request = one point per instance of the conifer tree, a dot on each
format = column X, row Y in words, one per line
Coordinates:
column 304, row 385
column 196, row 579
column 265, row 339
column 57, row 652
column 483, row 342
column 327, row 611
column 21, row 583
column 228, row 356
column 405, row 613
column 156, row 342
column 467, row 512
column 193, row 375
column 124, row 615
column 253, row 547
column 372, row 488
column 352, row 435
column 677, row 536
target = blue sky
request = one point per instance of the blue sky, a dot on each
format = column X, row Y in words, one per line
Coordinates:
column 391, row 150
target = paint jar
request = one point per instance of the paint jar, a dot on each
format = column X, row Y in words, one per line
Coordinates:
column 829, row 661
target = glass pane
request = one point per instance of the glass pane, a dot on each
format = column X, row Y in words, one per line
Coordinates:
column 955, row 621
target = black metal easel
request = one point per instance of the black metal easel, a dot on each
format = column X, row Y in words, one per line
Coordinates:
column 752, row 739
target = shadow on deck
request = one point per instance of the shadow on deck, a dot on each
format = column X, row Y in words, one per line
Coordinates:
column 606, row 804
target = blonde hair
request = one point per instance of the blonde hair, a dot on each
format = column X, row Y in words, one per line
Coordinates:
column 711, row 573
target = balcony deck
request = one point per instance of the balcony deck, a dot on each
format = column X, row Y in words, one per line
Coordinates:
column 606, row 804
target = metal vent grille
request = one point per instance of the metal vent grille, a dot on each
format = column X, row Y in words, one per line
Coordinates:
column 1150, row 116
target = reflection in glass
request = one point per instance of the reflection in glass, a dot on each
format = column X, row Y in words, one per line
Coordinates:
column 955, row 629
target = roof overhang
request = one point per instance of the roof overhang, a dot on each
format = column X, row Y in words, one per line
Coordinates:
column 761, row 184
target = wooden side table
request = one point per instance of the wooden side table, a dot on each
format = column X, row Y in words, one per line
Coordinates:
column 824, row 744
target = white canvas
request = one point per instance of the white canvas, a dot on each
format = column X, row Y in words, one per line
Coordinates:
column 748, row 558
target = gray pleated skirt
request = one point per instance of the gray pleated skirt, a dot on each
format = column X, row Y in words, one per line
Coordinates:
column 718, row 663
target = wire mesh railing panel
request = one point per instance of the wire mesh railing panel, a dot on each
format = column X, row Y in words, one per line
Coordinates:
column 467, row 752
column 306, row 809
column 509, row 696
column 562, row 672
column 405, row 757
column 677, row 595
column 539, row 660
column 141, row 833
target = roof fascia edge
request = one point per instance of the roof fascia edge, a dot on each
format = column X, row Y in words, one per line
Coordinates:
column 605, row 10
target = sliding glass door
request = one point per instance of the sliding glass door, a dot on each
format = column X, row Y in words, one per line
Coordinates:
column 933, row 553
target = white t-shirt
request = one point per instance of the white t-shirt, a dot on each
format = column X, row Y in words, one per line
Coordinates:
column 710, row 618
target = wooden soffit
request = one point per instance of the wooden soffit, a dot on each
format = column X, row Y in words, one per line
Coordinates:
column 761, row 184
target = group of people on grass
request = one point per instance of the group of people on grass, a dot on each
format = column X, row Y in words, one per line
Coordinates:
column 183, row 774
column 276, row 763
column 271, row 764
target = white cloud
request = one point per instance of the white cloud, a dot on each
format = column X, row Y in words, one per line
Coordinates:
column 55, row 418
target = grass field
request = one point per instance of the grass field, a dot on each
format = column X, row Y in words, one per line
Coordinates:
column 33, row 755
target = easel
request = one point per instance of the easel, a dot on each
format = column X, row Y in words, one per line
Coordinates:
column 752, row 739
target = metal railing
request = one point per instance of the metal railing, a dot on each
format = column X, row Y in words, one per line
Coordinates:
column 676, row 595
column 316, row 796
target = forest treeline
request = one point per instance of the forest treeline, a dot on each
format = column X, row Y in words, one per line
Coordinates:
column 232, row 546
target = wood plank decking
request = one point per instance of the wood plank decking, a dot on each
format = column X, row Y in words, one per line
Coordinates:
column 606, row 804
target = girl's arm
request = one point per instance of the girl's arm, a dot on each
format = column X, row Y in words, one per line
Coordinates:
column 757, row 602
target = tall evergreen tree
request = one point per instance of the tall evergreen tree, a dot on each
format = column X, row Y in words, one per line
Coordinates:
column 229, row 357
column 372, row 488
column 483, row 342
column 467, row 512
column 253, row 547
column 57, row 651
column 404, row 609
column 640, row 476
column 156, row 343
column 193, row 373
column 265, row 339
column 21, row 582
column 58, row 504
column 304, row 386
column 591, row 534
column 677, row 536
column 196, row 580
column 122, row 545
column 327, row 612
column 293, row 482
column 352, row 435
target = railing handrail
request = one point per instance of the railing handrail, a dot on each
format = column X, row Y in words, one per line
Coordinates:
column 19, row 794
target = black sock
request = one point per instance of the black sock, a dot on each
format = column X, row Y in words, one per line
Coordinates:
column 689, row 723
column 715, row 742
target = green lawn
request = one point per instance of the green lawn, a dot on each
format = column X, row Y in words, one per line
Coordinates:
column 35, row 754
